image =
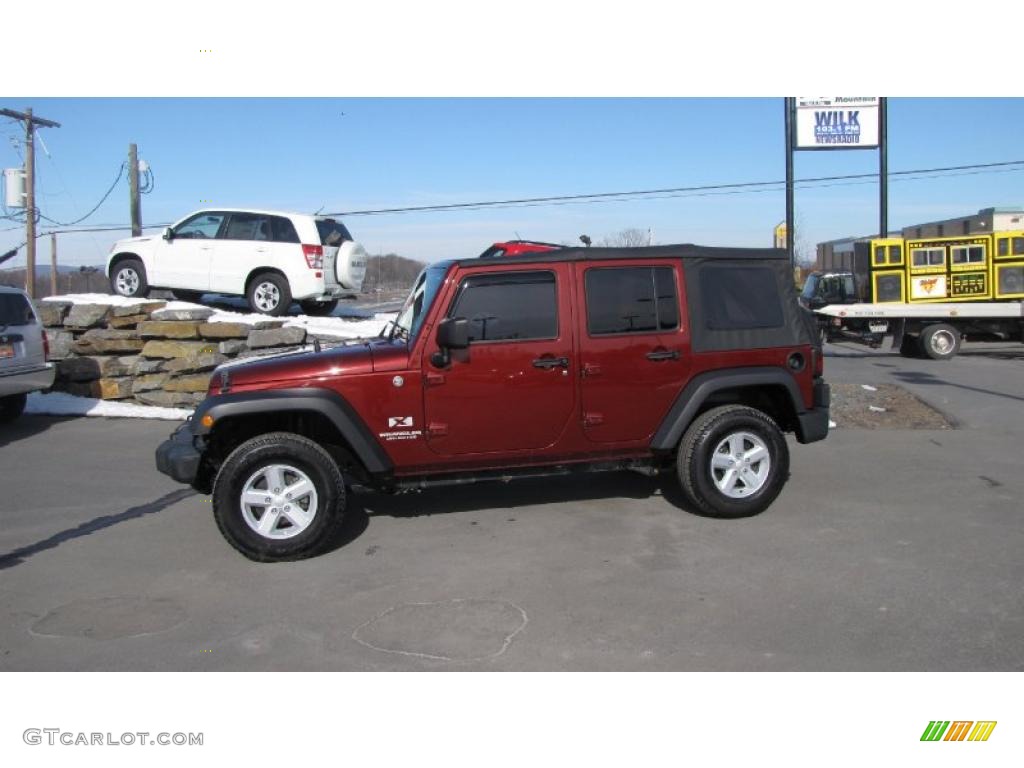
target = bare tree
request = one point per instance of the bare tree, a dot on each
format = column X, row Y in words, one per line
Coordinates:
column 628, row 238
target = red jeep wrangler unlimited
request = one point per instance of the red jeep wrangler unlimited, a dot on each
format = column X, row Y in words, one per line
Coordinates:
column 578, row 359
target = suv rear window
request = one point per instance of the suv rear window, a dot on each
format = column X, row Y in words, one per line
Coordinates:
column 332, row 232
column 508, row 307
column 15, row 310
column 631, row 300
column 739, row 298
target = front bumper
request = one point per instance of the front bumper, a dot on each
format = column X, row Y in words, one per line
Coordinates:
column 27, row 381
column 177, row 457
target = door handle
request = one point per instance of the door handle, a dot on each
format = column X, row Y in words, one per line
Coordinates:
column 663, row 354
column 551, row 362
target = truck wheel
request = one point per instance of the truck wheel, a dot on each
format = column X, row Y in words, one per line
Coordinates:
column 278, row 496
column 733, row 461
column 128, row 278
column 11, row 407
column 269, row 294
column 910, row 346
column 940, row 341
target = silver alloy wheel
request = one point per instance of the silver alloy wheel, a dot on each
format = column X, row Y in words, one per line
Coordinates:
column 127, row 281
column 267, row 296
column 943, row 342
column 740, row 465
column 278, row 501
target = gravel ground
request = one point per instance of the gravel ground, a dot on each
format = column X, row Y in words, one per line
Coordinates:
column 882, row 406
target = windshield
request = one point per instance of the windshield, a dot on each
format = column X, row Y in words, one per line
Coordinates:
column 809, row 287
column 410, row 317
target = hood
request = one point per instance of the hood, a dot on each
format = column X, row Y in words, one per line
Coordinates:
column 299, row 369
column 133, row 240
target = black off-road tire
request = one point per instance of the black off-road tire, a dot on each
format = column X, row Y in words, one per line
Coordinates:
column 697, row 449
column 128, row 278
column 248, row 459
column 940, row 341
column 318, row 308
column 256, row 290
column 11, row 407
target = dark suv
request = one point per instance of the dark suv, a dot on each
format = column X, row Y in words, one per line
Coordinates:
column 579, row 359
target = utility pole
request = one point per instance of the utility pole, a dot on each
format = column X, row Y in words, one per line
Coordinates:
column 53, row 264
column 30, row 190
column 133, row 190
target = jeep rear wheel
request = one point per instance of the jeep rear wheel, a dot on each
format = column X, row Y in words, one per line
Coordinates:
column 733, row 461
column 279, row 496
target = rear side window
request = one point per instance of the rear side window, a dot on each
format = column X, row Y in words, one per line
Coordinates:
column 282, row 230
column 15, row 310
column 332, row 232
column 514, row 306
column 631, row 300
column 247, row 226
column 738, row 298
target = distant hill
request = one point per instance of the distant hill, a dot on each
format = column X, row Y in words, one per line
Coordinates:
column 390, row 272
column 69, row 279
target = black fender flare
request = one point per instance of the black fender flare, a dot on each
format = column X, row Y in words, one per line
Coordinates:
column 325, row 402
column 701, row 387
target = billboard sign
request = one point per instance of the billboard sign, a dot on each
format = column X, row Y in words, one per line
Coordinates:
column 836, row 122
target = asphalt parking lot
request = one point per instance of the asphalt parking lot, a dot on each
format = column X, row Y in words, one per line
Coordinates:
column 888, row 550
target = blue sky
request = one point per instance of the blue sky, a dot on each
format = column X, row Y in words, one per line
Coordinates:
column 350, row 153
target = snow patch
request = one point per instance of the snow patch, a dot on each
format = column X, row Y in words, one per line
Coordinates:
column 98, row 298
column 63, row 404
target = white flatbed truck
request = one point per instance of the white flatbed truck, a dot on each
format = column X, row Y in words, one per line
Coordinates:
column 934, row 330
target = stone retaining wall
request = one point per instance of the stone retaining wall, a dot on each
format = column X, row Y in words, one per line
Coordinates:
column 152, row 355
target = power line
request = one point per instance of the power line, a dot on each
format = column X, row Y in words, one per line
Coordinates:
column 120, row 173
column 671, row 191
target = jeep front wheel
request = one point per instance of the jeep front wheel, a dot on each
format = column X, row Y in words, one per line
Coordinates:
column 733, row 461
column 278, row 496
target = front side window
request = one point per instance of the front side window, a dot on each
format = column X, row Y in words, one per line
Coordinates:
column 513, row 306
column 631, row 300
column 200, row 227
column 247, row 226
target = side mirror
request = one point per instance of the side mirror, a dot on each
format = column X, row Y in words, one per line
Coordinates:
column 452, row 333
column 168, row 234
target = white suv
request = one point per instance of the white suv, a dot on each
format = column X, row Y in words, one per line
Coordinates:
column 23, row 352
column 270, row 257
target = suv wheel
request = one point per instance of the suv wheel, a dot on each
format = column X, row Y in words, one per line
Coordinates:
column 11, row 407
column 269, row 294
column 733, row 461
column 279, row 496
column 318, row 308
column 128, row 278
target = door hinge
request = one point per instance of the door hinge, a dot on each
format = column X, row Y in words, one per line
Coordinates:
column 591, row 369
column 593, row 419
column 434, row 429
